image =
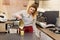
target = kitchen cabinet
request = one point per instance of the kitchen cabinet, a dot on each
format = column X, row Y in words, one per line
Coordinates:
column 44, row 36
column 37, row 32
column 2, row 27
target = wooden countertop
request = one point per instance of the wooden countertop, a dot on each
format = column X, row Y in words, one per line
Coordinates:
column 50, row 33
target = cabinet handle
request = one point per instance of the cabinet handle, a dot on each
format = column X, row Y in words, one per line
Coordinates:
column 40, row 35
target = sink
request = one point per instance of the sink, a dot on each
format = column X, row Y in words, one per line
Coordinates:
column 54, row 30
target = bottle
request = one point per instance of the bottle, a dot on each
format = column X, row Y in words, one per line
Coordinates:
column 8, row 28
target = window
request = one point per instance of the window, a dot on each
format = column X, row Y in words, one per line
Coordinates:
column 6, row 2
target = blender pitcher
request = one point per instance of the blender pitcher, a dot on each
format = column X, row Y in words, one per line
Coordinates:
column 21, row 26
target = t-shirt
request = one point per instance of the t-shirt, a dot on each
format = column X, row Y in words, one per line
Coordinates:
column 28, row 19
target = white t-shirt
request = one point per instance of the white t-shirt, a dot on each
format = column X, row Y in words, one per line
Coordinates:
column 28, row 19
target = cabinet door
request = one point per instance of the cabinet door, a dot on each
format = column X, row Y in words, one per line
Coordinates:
column 45, row 37
column 48, row 38
column 2, row 27
column 37, row 32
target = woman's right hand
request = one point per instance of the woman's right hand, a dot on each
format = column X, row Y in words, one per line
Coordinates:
column 18, row 17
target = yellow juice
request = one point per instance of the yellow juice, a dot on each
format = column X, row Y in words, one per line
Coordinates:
column 22, row 32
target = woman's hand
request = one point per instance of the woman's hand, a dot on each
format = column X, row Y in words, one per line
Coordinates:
column 18, row 17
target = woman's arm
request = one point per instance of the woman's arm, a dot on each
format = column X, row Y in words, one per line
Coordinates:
column 18, row 15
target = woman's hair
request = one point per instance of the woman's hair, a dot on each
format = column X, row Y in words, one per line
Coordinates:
column 34, row 6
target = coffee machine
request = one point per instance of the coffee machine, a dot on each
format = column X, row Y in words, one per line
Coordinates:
column 40, row 17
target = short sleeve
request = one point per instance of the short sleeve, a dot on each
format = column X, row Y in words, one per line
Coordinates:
column 20, row 13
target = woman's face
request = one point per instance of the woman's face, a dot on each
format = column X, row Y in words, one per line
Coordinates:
column 31, row 10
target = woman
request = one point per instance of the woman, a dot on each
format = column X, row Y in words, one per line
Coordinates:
column 28, row 17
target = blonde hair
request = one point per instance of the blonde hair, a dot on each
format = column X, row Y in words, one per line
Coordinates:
column 35, row 12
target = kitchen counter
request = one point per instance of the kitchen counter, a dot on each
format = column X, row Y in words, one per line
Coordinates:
column 50, row 33
column 15, row 36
